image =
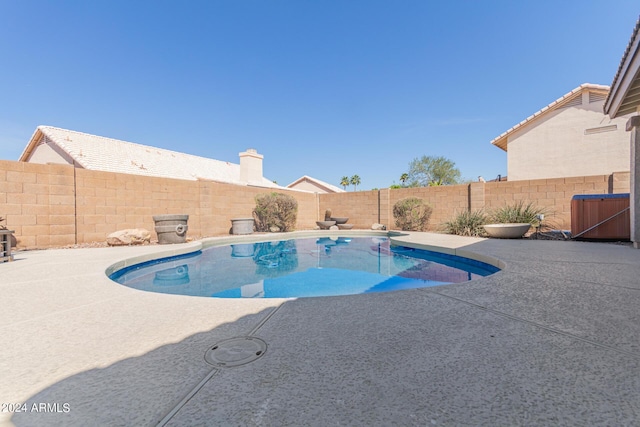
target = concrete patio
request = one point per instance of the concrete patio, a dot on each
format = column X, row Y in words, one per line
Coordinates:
column 552, row 339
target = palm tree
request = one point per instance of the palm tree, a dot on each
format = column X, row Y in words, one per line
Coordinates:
column 344, row 182
column 403, row 178
column 355, row 181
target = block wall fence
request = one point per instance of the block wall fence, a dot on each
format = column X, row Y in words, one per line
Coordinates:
column 366, row 207
column 59, row 205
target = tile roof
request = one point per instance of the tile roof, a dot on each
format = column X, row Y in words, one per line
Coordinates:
column 112, row 155
column 501, row 140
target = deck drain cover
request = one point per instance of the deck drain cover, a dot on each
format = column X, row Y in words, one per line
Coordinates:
column 235, row 351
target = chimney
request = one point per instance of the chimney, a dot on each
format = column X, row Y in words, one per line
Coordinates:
column 250, row 166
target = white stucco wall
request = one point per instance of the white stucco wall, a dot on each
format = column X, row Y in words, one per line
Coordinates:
column 44, row 153
column 571, row 141
column 308, row 186
column 251, row 166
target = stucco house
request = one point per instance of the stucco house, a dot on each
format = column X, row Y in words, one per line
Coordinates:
column 624, row 101
column 572, row 136
column 307, row 183
column 54, row 145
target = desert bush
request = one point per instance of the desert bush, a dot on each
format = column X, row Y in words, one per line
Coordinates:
column 2, row 226
column 467, row 223
column 518, row 212
column 275, row 212
column 412, row 214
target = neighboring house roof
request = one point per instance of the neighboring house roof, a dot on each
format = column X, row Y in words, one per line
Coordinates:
column 321, row 185
column 563, row 101
column 112, row 155
column 624, row 97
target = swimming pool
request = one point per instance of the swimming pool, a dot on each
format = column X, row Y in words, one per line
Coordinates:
column 304, row 267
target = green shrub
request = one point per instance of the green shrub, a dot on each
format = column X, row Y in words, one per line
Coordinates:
column 275, row 212
column 412, row 214
column 519, row 212
column 467, row 223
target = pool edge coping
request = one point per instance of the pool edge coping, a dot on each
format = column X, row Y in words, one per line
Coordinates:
column 395, row 237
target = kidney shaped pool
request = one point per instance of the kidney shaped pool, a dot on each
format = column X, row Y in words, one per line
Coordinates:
column 306, row 267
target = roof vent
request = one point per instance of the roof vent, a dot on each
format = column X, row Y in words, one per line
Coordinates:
column 600, row 129
column 573, row 103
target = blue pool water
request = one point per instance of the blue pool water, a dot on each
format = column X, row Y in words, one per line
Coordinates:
column 301, row 268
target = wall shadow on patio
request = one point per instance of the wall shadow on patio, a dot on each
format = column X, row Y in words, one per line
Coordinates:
column 134, row 391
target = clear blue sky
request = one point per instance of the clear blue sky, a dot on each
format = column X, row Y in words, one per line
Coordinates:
column 324, row 88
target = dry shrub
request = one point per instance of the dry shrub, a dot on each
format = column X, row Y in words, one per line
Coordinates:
column 275, row 212
column 412, row 214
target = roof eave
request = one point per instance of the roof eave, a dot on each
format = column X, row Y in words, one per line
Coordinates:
column 501, row 140
column 33, row 142
column 627, row 78
column 501, row 143
column 627, row 87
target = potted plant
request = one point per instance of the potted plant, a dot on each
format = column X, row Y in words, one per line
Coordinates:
column 513, row 221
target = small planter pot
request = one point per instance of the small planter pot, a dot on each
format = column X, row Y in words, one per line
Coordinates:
column 171, row 228
column 340, row 220
column 242, row 226
column 325, row 225
column 507, row 231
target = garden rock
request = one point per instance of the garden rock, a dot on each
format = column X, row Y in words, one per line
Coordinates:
column 377, row 226
column 130, row 236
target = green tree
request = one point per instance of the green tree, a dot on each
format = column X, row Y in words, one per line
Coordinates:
column 355, row 181
column 345, row 182
column 430, row 171
column 403, row 178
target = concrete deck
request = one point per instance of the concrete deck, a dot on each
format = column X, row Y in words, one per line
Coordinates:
column 553, row 339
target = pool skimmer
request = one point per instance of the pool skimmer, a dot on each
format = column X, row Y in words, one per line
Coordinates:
column 235, row 352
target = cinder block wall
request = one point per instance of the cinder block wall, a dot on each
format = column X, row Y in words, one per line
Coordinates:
column 38, row 203
column 57, row 205
column 361, row 207
column 447, row 201
column 219, row 203
column 554, row 194
column 365, row 208
column 107, row 202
